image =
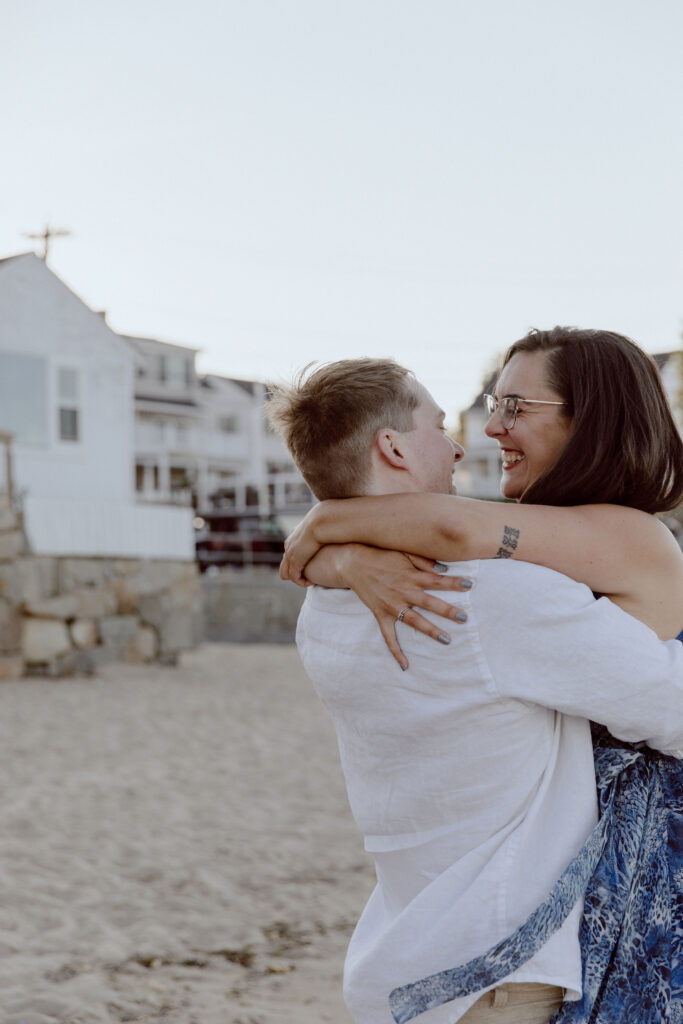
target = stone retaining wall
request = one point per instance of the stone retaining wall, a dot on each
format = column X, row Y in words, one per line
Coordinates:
column 251, row 606
column 60, row 615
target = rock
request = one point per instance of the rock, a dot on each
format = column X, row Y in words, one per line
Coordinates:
column 87, row 661
column 63, row 607
column 117, row 632
column 155, row 577
column 36, row 578
column 10, row 628
column 178, row 632
column 128, row 599
column 84, row 633
column 12, row 544
column 144, row 646
column 117, row 627
column 61, row 665
column 94, row 603
column 185, row 595
column 8, row 517
column 65, row 664
column 9, row 582
column 43, row 640
column 76, row 573
column 11, row 666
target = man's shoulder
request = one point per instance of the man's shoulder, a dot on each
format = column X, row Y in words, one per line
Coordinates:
column 490, row 572
column 527, row 595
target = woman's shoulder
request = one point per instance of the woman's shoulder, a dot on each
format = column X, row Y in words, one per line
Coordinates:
column 639, row 534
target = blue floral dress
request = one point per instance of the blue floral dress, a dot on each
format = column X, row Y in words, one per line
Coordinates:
column 631, row 871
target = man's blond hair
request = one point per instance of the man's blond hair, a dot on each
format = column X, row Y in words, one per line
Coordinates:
column 330, row 416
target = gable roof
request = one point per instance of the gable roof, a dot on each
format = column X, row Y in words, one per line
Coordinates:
column 662, row 358
column 250, row 386
column 36, row 266
column 478, row 403
column 17, row 256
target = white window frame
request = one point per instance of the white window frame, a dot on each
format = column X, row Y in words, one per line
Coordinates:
column 69, row 403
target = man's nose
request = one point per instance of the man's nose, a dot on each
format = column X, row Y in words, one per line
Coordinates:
column 458, row 450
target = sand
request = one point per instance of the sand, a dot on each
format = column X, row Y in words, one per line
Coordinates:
column 175, row 846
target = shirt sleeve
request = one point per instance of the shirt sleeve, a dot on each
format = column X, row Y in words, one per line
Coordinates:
column 548, row 641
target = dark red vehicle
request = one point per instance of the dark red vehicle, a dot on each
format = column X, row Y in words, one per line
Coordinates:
column 241, row 539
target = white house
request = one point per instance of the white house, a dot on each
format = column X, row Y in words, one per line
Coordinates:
column 478, row 475
column 66, row 397
column 169, row 421
column 671, row 368
column 205, row 441
column 247, row 463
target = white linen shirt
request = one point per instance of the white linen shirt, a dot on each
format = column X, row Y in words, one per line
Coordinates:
column 471, row 774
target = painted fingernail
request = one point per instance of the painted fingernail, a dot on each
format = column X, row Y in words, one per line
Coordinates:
column 440, row 567
column 403, row 668
column 466, row 584
column 443, row 638
column 460, row 617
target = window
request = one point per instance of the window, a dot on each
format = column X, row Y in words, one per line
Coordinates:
column 23, row 397
column 174, row 371
column 229, row 424
column 67, row 404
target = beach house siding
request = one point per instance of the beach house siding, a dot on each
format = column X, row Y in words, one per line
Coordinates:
column 66, row 396
column 205, row 441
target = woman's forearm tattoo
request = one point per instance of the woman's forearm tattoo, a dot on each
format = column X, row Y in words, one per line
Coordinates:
column 510, row 538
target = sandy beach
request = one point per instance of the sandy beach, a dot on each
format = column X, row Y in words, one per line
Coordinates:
column 176, row 846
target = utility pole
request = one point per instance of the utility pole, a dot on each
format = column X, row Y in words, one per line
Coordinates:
column 45, row 237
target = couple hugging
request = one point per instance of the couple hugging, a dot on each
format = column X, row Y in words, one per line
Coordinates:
column 517, row 784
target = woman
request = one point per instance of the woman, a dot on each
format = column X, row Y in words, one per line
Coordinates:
column 594, row 433
column 580, row 416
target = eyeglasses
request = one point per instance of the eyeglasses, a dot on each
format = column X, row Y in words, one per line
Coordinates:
column 509, row 407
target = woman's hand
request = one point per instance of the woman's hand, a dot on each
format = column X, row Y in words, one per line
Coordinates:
column 300, row 547
column 389, row 582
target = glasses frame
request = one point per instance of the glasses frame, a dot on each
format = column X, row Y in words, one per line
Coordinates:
column 493, row 404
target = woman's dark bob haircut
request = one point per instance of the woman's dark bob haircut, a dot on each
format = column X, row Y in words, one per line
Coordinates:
column 624, row 448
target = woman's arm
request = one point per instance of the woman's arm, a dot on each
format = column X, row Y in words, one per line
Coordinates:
column 622, row 553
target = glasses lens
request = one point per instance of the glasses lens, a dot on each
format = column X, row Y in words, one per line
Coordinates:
column 508, row 412
column 490, row 403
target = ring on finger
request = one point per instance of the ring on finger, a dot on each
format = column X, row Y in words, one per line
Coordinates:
column 399, row 617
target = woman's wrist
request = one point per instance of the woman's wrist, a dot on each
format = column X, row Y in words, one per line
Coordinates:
column 325, row 524
column 348, row 559
column 335, row 565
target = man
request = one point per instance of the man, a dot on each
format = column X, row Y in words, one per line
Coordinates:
column 470, row 775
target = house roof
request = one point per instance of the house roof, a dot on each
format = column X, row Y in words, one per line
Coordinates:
column 662, row 358
column 35, row 265
column 478, row 403
column 17, row 256
column 133, row 338
column 250, row 386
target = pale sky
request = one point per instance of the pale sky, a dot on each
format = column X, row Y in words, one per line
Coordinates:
column 279, row 182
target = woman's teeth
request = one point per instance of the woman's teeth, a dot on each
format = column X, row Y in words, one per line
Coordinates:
column 511, row 458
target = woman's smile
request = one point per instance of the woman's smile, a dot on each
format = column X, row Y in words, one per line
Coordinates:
column 530, row 447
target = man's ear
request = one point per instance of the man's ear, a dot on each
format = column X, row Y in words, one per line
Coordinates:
column 388, row 445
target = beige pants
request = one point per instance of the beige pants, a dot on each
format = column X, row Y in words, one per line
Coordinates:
column 515, row 1004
